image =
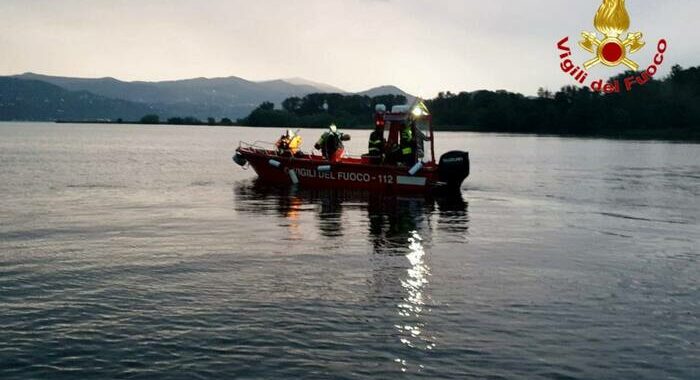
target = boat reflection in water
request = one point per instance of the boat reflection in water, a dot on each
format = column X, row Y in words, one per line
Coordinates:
column 399, row 230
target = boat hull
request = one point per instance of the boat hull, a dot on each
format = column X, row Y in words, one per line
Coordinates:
column 314, row 171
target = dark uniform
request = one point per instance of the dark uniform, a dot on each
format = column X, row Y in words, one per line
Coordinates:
column 376, row 146
column 331, row 143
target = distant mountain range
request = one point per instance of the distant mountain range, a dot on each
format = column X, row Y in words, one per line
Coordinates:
column 38, row 97
column 386, row 90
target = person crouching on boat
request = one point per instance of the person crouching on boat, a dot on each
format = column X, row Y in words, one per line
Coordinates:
column 288, row 144
column 331, row 143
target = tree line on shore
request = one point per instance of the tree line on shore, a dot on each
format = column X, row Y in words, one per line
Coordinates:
column 668, row 108
column 188, row 120
column 320, row 110
column 665, row 108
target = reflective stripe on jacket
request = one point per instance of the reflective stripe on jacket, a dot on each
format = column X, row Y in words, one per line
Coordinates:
column 376, row 142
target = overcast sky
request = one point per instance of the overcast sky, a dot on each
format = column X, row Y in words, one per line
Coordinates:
column 422, row 46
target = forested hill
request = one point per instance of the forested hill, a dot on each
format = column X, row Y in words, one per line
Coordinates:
column 320, row 110
column 36, row 97
column 30, row 100
column 666, row 108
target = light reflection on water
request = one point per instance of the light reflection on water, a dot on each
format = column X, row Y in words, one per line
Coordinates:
column 143, row 252
column 414, row 332
column 399, row 228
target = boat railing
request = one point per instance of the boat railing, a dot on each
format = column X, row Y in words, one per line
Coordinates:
column 270, row 148
column 258, row 146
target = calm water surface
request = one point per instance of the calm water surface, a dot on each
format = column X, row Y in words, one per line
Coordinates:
column 143, row 252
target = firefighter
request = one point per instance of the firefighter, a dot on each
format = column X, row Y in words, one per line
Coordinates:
column 407, row 145
column 377, row 142
column 331, row 143
column 288, row 143
column 376, row 145
column 411, row 145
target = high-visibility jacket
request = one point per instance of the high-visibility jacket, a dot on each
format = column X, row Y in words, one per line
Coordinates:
column 329, row 143
column 295, row 144
column 327, row 136
column 407, row 142
column 287, row 144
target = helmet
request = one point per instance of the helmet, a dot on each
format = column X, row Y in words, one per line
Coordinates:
column 333, row 128
column 289, row 133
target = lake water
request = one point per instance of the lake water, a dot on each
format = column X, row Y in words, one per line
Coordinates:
column 143, row 252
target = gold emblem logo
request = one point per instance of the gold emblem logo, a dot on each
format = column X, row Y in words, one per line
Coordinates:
column 612, row 20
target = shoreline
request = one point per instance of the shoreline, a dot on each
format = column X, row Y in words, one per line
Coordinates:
column 676, row 136
column 685, row 135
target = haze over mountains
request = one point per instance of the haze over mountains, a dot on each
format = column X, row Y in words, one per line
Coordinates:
column 38, row 97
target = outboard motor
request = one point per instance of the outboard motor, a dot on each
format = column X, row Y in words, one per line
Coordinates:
column 239, row 159
column 454, row 168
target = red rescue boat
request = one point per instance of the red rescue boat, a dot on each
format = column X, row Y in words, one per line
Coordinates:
column 316, row 171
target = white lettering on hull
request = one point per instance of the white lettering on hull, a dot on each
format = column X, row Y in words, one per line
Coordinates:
column 384, row 179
